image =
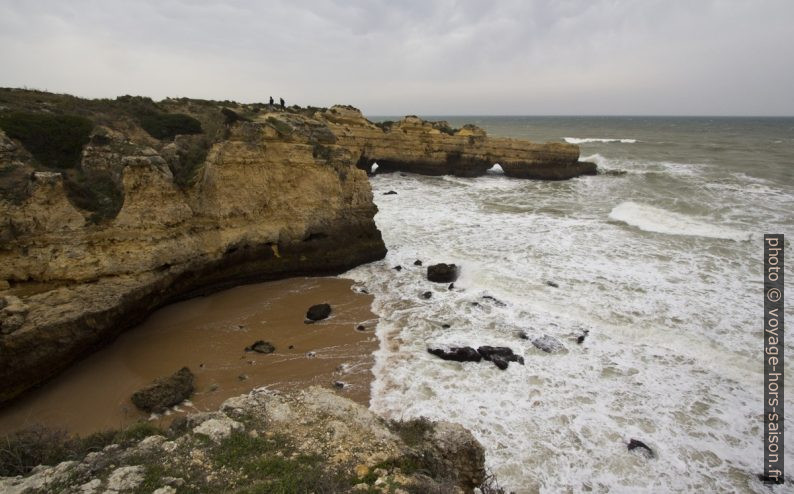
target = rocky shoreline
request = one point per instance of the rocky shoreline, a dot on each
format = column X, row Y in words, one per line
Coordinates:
column 159, row 202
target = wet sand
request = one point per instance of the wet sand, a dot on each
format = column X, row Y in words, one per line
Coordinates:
column 209, row 335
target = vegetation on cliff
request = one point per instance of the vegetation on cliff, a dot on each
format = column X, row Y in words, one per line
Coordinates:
column 312, row 441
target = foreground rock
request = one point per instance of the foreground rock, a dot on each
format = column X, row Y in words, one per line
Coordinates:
column 166, row 392
column 318, row 312
column 501, row 356
column 308, row 441
column 442, row 273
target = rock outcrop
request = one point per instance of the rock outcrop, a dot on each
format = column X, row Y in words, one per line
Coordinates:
column 433, row 148
column 308, row 441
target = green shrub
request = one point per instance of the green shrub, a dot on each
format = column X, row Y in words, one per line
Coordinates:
column 97, row 193
column 190, row 155
column 56, row 141
column 169, row 125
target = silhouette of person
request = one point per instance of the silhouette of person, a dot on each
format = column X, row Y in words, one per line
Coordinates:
column 271, row 100
column 282, row 102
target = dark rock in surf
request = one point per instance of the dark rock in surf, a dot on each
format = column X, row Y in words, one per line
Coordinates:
column 552, row 284
column 457, row 354
column 317, row 313
column 446, row 326
column 580, row 339
column 397, row 268
column 644, row 448
column 361, row 327
column 417, row 262
column 339, row 385
column 261, row 346
column 165, row 392
column 442, row 273
column 451, row 286
column 523, row 335
column 427, row 295
column 500, row 362
column 548, row 344
column 390, row 193
column 501, row 353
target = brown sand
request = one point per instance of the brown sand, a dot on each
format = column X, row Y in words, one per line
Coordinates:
column 209, row 335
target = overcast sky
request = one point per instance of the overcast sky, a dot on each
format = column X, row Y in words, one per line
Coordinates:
column 391, row 57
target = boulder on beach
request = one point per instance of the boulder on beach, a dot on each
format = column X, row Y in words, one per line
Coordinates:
column 261, row 346
column 442, row 273
column 317, row 313
column 457, row 354
column 548, row 344
column 165, row 392
column 644, row 448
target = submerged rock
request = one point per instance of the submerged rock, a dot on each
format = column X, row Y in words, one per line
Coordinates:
column 495, row 300
column 261, row 346
column 427, row 295
column 165, row 392
column 390, row 193
column 548, row 344
column 457, row 354
column 442, row 273
column 644, row 448
column 552, row 284
column 318, row 312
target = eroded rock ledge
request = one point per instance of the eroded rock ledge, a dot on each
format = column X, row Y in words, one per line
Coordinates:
column 144, row 214
column 309, row 441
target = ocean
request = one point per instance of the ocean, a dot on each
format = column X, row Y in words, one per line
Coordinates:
column 660, row 267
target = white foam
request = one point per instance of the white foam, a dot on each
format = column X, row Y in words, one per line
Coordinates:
column 658, row 220
column 496, row 169
column 666, row 361
column 585, row 140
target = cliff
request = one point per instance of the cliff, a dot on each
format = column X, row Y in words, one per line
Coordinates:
column 310, row 441
column 110, row 209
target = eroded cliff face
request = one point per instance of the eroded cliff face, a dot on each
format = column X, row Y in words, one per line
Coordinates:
column 432, row 148
column 149, row 216
column 263, row 205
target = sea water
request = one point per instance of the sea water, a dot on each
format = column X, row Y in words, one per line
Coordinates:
column 660, row 267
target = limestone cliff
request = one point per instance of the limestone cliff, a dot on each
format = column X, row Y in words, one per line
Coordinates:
column 110, row 209
column 433, row 148
column 261, row 205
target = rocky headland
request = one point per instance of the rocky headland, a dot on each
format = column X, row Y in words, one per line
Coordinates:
column 110, row 209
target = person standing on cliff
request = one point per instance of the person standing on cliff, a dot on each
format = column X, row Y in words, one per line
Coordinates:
column 282, row 102
column 271, row 101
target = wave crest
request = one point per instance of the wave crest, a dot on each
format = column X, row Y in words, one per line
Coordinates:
column 658, row 220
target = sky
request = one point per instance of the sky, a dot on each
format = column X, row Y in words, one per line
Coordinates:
column 392, row 57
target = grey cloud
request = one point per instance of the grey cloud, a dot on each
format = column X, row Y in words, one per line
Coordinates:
column 387, row 57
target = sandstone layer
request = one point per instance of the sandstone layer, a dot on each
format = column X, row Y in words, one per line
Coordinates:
column 179, row 198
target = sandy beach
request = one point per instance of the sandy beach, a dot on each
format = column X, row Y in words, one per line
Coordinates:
column 209, row 335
